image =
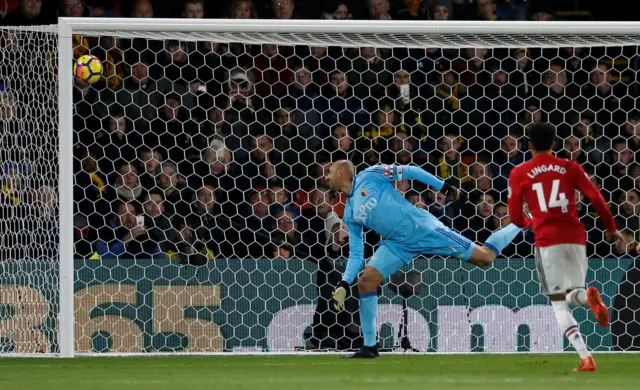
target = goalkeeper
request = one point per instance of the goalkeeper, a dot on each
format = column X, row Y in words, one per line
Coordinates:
column 406, row 231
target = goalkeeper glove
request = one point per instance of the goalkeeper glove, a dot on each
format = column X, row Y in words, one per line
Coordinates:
column 452, row 193
column 339, row 295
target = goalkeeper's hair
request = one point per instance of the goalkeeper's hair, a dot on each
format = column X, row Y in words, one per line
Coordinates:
column 541, row 137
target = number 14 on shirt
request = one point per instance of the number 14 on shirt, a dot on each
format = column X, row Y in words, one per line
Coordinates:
column 555, row 199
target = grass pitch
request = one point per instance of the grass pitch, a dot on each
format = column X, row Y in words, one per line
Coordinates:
column 401, row 372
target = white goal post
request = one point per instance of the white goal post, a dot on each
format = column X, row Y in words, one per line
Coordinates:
column 348, row 34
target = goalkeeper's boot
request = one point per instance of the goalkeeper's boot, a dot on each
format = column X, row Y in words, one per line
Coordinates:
column 586, row 364
column 365, row 353
column 600, row 312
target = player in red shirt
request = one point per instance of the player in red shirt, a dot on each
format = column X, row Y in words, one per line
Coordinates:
column 548, row 185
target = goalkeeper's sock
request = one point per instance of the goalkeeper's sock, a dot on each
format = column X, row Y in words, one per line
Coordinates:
column 368, row 311
column 569, row 326
column 501, row 238
column 577, row 297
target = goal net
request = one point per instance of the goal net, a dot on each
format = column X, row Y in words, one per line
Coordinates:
column 180, row 203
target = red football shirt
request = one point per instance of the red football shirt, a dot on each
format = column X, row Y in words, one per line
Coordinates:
column 548, row 185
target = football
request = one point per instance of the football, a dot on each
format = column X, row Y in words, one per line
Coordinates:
column 88, row 68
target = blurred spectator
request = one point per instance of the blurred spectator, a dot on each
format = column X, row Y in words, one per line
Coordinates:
column 631, row 131
column 617, row 176
column 627, row 217
column 193, row 9
column 318, row 215
column 578, row 64
column 273, row 74
column 150, row 159
column 344, row 106
column 441, row 9
column 284, row 9
column 415, row 10
column 142, row 9
column 117, row 138
column 90, row 185
column 542, row 16
column 173, row 185
column 126, row 186
column 74, row 8
column 450, row 164
column 126, row 237
column 29, row 13
column 509, row 156
column 372, row 72
column 341, row 145
column 481, row 178
column 89, row 112
column 480, row 225
column 379, row 9
column 338, row 11
column 572, row 150
column 449, row 91
column 157, row 219
column 472, row 68
column 484, row 10
column 400, row 150
column 174, row 130
column 608, row 100
column 558, row 97
column 522, row 76
column 188, row 247
column 242, row 9
column 206, row 225
column 265, row 162
column 388, row 121
column 287, row 237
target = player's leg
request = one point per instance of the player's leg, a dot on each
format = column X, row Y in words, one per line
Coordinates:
column 454, row 244
column 556, row 274
column 446, row 242
column 499, row 239
column 383, row 263
column 578, row 296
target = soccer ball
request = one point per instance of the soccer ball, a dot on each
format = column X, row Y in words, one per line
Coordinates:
column 88, row 68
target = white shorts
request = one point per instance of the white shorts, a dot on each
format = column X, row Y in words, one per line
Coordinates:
column 561, row 268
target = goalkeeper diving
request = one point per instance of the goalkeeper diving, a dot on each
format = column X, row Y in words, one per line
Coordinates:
column 405, row 230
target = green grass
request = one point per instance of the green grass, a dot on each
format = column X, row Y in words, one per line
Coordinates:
column 402, row 372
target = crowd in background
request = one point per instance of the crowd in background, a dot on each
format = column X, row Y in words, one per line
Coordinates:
column 204, row 150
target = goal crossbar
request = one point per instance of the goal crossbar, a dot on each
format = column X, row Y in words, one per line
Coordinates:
column 444, row 34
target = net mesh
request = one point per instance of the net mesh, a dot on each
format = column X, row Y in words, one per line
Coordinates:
column 29, row 179
column 203, row 221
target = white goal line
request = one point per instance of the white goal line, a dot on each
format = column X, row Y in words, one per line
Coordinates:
column 294, row 353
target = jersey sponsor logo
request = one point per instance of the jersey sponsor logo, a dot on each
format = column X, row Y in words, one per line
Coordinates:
column 365, row 209
column 546, row 168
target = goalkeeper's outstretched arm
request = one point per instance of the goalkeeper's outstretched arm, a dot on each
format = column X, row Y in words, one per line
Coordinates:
column 354, row 265
column 356, row 253
column 412, row 172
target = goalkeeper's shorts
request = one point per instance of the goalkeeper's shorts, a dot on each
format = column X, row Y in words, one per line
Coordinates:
column 441, row 241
